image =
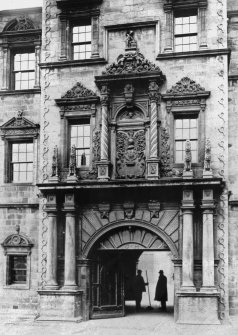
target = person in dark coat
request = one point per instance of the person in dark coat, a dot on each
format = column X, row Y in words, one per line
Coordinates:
column 139, row 288
column 161, row 293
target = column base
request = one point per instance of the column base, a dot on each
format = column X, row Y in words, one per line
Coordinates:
column 53, row 179
column 60, row 305
column 207, row 174
column 72, row 179
column 153, row 168
column 188, row 174
column 208, row 289
column 51, row 287
column 198, row 308
column 70, row 288
column 103, row 170
column 188, row 288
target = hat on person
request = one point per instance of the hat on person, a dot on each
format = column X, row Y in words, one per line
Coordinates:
column 161, row 271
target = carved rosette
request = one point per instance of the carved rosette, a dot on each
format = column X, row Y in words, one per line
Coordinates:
column 130, row 154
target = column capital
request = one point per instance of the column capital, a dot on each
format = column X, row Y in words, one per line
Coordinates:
column 105, row 91
column 154, row 94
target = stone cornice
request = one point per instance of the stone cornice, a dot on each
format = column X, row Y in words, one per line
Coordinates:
column 20, row 92
column 181, row 4
column 197, row 53
column 73, row 63
column 20, row 205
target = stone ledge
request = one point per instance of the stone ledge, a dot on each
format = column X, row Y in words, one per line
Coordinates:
column 45, row 318
column 20, row 92
column 198, row 53
column 60, row 292
column 69, row 63
column 19, row 205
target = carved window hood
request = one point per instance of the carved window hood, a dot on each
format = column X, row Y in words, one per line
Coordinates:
column 186, row 92
column 19, row 126
column 17, row 241
column 131, row 66
column 78, row 95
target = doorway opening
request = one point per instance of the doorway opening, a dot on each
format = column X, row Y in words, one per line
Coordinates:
column 112, row 281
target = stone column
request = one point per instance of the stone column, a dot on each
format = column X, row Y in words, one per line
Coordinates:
column 95, row 37
column 169, row 28
column 64, row 37
column 37, row 68
column 51, row 265
column 187, row 249
column 203, row 32
column 70, row 252
column 208, row 282
column 153, row 161
column 5, row 80
column 103, row 165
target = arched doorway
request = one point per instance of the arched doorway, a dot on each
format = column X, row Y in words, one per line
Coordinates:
column 114, row 261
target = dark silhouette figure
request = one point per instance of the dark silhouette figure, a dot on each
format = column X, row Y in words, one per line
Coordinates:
column 139, row 288
column 161, row 293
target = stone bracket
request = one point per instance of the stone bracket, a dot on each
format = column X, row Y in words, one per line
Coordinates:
column 103, row 170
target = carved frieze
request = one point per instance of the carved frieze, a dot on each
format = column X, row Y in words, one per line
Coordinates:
column 130, row 154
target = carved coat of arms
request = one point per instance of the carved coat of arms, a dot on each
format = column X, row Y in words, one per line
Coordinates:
column 130, row 155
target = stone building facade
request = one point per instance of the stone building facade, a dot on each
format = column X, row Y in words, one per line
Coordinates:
column 116, row 133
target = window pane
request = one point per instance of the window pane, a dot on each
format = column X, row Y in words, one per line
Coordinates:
column 17, row 269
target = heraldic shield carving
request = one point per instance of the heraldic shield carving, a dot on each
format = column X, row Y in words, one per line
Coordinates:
column 130, row 154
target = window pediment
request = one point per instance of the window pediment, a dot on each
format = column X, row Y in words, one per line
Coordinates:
column 19, row 126
column 21, row 23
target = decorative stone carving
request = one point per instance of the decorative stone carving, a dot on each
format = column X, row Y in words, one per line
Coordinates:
column 129, row 210
column 104, row 210
column 128, row 94
column 186, row 92
column 165, row 166
column 131, row 114
column 19, row 126
column 105, row 92
column 72, row 166
column 186, row 86
column 130, row 40
column 132, row 62
column 188, row 156
column 207, row 172
column 154, row 92
column 54, row 177
column 154, row 208
column 79, row 91
column 16, row 240
column 187, row 172
column 92, row 174
column 130, row 154
column 22, row 23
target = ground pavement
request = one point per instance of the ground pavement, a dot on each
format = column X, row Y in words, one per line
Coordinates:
column 144, row 323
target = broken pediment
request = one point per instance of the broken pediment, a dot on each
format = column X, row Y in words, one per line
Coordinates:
column 79, row 91
column 19, row 126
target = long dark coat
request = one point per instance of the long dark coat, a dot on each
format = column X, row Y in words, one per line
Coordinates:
column 161, row 293
column 139, row 286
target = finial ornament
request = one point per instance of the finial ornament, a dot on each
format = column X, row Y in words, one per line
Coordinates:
column 55, row 167
column 72, row 162
column 188, row 156
column 207, row 158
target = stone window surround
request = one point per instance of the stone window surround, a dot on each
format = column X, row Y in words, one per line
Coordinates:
column 68, row 20
column 17, row 249
column 175, row 6
column 19, row 134
column 15, row 42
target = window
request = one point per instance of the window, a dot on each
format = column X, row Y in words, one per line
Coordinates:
column 186, row 129
column 24, row 71
column 81, row 40
column 80, row 138
column 185, row 32
column 22, row 162
column 17, row 269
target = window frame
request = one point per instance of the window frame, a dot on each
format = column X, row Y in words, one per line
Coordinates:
column 79, row 121
column 82, row 24
column 188, row 112
column 15, row 52
column 183, row 14
column 13, row 246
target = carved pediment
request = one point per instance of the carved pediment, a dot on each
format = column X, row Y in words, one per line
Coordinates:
column 19, row 126
column 132, row 62
column 21, row 23
column 186, row 86
column 79, row 91
column 16, row 240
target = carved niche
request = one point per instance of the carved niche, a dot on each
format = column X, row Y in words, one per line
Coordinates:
column 130, row 153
